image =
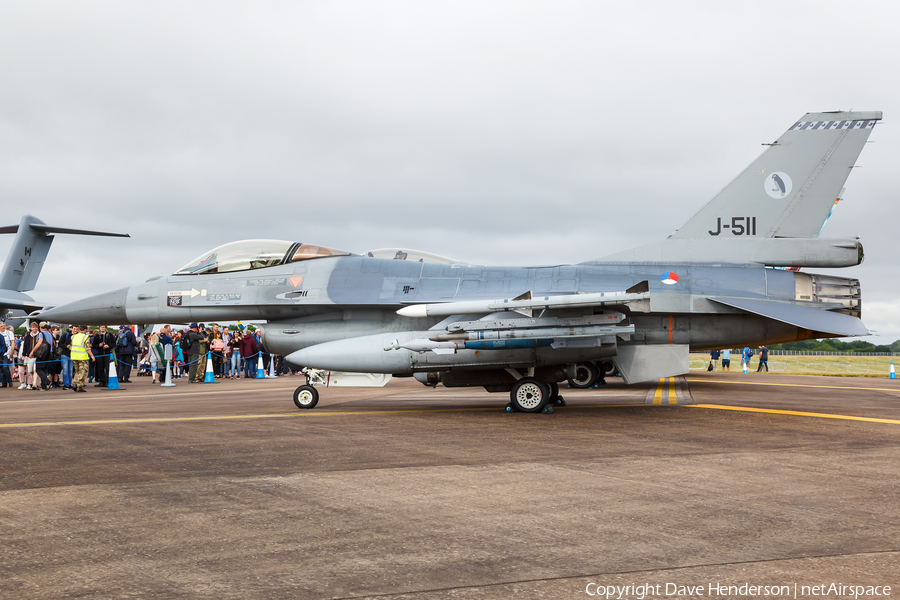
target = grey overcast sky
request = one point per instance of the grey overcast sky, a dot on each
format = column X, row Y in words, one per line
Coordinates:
column 493, row 132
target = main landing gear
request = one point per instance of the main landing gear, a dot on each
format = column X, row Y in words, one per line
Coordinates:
column 584, row 376
column 530, row 395
column 555, row 398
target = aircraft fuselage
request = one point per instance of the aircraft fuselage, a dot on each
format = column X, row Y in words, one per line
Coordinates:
column 316, row 301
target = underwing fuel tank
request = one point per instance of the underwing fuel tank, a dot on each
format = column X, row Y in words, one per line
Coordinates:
column 385, row 353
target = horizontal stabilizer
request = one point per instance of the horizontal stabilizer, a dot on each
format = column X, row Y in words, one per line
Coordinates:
column 804, row 317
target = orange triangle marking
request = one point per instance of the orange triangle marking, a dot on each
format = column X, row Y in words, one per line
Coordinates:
column 295, row 281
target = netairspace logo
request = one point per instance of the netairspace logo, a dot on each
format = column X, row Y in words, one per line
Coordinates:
column 793, row 590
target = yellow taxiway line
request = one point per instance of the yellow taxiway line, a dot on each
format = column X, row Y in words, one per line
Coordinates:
column 431, row 410
column 796, row 413
column 233, row 417
column 806, row 385
column 657, row 397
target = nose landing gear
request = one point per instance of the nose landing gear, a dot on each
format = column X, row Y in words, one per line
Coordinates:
column 306, row 396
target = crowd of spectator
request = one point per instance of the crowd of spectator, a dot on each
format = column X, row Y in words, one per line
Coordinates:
column 47, row 356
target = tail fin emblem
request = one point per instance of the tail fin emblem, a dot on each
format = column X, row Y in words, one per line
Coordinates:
column 778, row 185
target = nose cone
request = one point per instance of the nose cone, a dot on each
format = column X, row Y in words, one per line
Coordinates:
column 102, row 309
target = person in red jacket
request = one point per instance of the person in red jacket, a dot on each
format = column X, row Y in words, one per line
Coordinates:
column 249, row 349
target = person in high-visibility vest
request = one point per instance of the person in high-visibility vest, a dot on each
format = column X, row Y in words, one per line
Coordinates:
column 81, row 352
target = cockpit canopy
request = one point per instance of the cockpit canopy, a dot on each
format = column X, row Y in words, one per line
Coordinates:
column 254, row 254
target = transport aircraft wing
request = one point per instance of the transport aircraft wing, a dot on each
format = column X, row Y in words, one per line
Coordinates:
column 12, row 302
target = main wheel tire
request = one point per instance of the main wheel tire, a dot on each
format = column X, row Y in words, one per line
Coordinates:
column 607, row 368
column 586, row 375
column 529, row 395
column 306, row 396
column 555, row 399
column 554, row 391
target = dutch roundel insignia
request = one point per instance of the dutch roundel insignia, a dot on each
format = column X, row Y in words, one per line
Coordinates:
column 669, row 278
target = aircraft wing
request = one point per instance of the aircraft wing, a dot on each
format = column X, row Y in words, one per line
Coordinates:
column 813, row 319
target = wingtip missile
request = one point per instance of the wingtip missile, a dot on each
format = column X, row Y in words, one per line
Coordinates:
column 416, row 310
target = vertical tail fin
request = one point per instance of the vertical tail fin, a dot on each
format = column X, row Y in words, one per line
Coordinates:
column 790, row 189
column 29, row 250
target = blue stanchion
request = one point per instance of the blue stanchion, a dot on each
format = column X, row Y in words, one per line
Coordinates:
column 112, row 382
column 210, row 376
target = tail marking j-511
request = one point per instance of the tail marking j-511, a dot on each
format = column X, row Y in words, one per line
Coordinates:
column 785, row 194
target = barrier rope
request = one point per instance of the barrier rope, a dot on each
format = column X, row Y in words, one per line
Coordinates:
column 124, row 362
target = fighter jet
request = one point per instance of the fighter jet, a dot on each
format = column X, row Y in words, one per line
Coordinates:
column 24, row 263
column 523, row 330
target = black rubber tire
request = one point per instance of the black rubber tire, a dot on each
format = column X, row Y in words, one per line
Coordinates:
column 529, row 395
column 555, row 398
column 554, row 392
column 586, row 376
column 607, row 368
column 306, row 396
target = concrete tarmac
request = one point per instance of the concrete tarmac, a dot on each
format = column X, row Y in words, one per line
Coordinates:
column 227, row 490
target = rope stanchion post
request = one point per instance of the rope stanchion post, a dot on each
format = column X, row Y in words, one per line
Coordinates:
column 113, row 381
column 168, row 356
column 260, row 371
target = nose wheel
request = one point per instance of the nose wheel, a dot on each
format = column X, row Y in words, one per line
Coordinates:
column 306, row 396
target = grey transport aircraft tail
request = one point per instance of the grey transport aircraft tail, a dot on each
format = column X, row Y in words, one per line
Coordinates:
column 773, row 211
column 24, row 263
column 29, row 250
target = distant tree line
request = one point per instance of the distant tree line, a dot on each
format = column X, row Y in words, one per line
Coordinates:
column 835, row 345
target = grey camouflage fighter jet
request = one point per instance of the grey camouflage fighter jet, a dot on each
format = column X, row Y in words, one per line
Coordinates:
column 525, row 329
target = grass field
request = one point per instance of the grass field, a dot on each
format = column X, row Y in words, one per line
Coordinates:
column 837, row 366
